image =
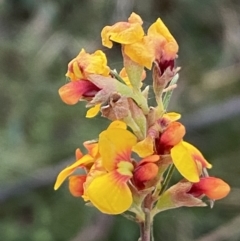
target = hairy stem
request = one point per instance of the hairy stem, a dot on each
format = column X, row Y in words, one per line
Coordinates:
column 146, row 225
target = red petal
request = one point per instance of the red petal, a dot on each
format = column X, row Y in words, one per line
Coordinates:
column 75, row 90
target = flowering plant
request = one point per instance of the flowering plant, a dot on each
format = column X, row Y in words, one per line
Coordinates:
column 127, row 170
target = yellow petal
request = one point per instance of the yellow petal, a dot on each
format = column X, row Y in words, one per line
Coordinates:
column 164, row 41
column 95, row 171
column 70, row 169
column 109, row 194
column 85, row 64
column 144, row 148
column 197, row 155
column 135, row 18
column 115, row 145
column 98, row 64
column 92, row 112
column 141, row 52
column 160, row 28
column 172, row 116
column 117, row 124
column 123, row 32
column 184, row 162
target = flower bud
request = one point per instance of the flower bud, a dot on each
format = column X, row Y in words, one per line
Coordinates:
column 212, row 187
column 144, row 173
column 173, row 134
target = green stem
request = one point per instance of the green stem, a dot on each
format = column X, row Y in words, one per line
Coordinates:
column 167, row 179
column 146, row 225
column 160, row 109
column 152, row 236
column 133, row 125
column 141, row 101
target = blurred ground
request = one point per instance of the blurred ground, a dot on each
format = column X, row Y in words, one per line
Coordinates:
column 39, row 133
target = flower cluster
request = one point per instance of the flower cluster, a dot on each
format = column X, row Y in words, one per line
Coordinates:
column 125, row 168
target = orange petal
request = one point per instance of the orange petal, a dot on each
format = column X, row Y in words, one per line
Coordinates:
column 109, row 194
column 78, row 154
column 145, row 172
column 153, row 158
column 73, row 91
column 212, row 187
column 76, row 185
column 173, row 134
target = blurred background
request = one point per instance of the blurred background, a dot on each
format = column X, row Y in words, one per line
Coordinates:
column 39, row 133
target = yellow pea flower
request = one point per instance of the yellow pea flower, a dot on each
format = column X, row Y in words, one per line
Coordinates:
column 109, row 191
column 164, row 44
column 85, row 64
column 123, row 32
column 80, row 87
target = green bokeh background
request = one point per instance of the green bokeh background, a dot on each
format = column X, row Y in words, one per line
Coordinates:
column 39, row 133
